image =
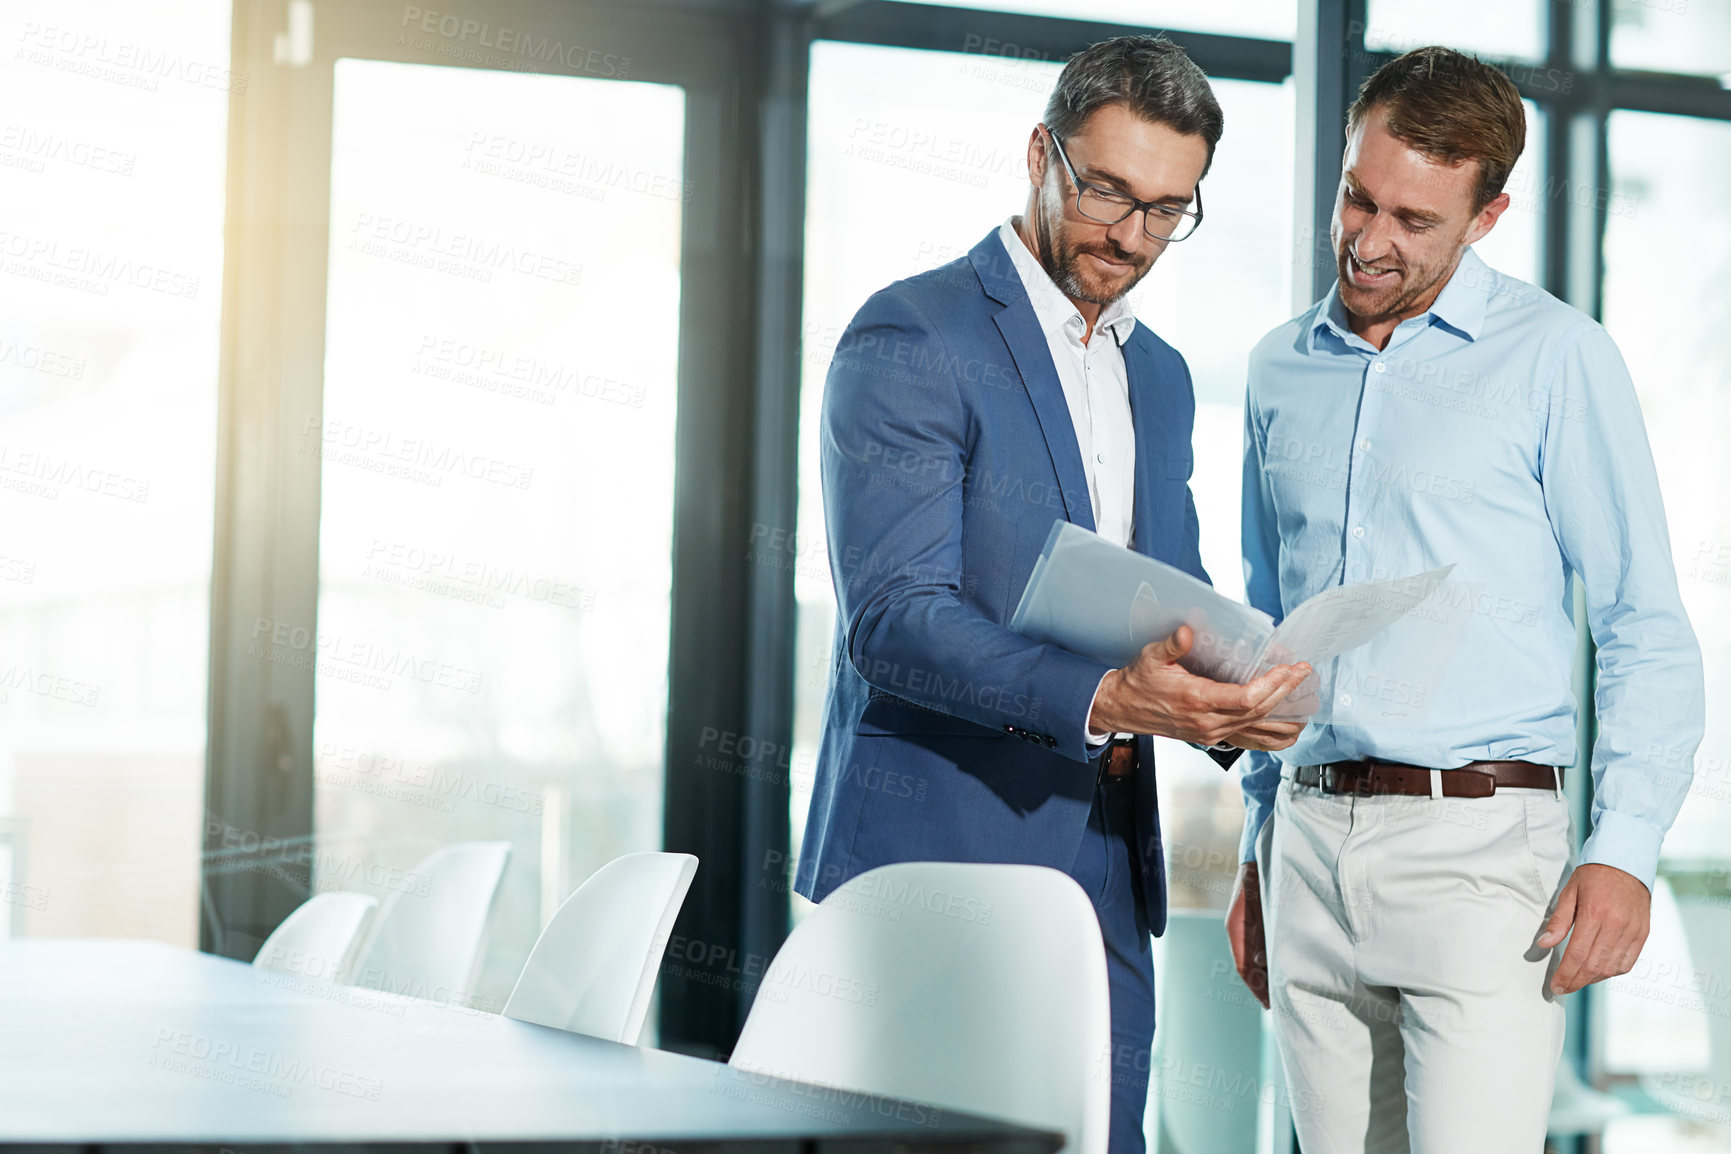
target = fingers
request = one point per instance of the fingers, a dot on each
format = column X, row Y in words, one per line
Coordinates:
column 1613, row 944
column 1172, row 648
column 1557, row 928
column 1268, row 735
column 1267, row 691
column 1572, row 972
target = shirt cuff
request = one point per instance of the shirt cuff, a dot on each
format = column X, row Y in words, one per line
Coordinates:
column 1096, row 740
column 1625, row 843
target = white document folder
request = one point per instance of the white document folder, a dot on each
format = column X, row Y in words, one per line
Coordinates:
column 1106, row 602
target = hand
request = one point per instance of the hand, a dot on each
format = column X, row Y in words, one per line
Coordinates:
column 1244, row 932
column 1153, row 694
column 1269, row 735
column 1608, row 911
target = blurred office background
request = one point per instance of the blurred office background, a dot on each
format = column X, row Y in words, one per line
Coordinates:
column 408, row 422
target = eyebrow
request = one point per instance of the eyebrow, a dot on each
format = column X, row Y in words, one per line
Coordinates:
column 1119, row 184
column 1410, row 215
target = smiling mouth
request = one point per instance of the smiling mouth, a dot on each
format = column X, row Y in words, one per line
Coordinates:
column 1368, row 276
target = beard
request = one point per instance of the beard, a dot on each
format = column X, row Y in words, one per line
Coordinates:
column 1395, row 299
column 1062, row 260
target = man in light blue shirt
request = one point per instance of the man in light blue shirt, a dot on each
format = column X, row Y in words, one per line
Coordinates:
column 1414, row 880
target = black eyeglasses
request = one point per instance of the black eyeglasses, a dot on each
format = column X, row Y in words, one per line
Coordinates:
column 1164, row 222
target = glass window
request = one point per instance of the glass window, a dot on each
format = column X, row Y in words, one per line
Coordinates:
column 1267, row 19
column 1669, row 315
column 1513, row 244
column 497, row 459
column 1671, row 36
column 112, row 154
column 1495, row 28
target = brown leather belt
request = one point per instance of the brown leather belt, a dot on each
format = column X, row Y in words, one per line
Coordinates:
column 1476, row 779
column 1118, row 761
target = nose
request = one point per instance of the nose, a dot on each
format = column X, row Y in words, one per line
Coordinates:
column 1127, row 234
column 1375, row 240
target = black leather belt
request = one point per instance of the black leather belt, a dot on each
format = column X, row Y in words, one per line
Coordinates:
column 1476, row 779
column 1117, row 760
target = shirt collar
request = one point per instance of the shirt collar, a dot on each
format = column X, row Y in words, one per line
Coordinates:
column 1052, row 308
column 1460, row 305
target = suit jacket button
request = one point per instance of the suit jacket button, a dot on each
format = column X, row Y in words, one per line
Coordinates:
column 1051, row 742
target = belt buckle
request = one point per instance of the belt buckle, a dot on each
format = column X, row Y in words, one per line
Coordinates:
column 1329, row 778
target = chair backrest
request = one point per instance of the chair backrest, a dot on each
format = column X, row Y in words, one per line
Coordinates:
column 318, row 939
column 979, row 988
column 427, row 938
column 594, row 967
column 1210, row 1026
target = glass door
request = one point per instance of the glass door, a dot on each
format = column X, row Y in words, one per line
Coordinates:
column 482, row 229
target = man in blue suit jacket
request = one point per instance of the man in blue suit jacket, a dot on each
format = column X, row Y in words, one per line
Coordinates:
column 966, row 411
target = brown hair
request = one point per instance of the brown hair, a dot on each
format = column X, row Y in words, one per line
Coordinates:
column 1150, row 75
column 1452, row 108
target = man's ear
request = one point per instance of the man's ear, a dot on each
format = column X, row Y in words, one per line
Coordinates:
column 1037, row 157
column 1487, row 218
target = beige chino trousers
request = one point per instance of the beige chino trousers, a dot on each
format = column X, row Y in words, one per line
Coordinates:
column 1412, row 1012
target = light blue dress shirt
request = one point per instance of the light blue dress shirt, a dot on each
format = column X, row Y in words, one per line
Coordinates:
column 1498, row 431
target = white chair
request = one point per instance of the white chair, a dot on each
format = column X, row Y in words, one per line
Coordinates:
column 318, row 939
column 593, row 969
column 427, row 938
column 979, row 988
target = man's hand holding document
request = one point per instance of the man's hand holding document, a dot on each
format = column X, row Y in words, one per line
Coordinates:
column 1106, row 602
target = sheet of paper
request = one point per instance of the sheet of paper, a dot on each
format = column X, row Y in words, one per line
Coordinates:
column 1106, row 602
column 1341, row 619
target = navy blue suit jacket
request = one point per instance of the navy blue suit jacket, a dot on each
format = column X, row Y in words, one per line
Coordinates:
column 948, row 454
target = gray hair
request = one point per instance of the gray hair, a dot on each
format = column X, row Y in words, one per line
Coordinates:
column 1150, row 75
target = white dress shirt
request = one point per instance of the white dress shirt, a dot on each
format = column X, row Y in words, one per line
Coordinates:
column 1096, row 387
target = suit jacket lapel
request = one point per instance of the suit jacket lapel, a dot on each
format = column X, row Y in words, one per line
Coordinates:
column 1027, row 343
column 1145, row 415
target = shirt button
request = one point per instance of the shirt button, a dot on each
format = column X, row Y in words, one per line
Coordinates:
column 1380, row 367
column 1358, row 530
column 1100, row 457
column 1364, row 445
column 1346, row 699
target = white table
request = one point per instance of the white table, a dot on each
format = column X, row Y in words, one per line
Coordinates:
column 126, row 1042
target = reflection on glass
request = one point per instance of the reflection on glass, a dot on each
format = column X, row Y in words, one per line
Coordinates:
column 1671, row 36
column 1495, row 28
column 1667, row 265
column 497, row 459
column 111, row 173
column 1267, row 19
column 929, row 151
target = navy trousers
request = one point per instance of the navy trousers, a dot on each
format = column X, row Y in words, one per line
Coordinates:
column 1104, row 870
